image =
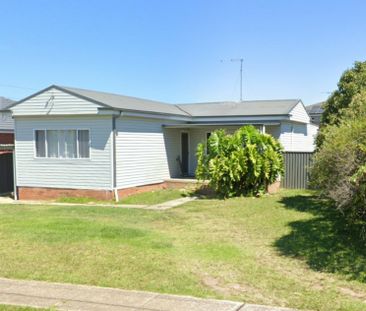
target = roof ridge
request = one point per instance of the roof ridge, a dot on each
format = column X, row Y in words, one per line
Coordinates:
column 110, row 93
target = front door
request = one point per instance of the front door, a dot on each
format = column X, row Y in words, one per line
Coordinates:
column 184, row 152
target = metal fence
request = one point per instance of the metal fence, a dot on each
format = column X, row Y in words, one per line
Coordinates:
column 297, row 169
column 6, row 173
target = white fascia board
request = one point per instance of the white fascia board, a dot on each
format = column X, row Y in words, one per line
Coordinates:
column 242, row 118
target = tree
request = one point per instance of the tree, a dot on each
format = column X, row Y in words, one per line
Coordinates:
column 339, row 166
column 351, row 83
column 243, row 163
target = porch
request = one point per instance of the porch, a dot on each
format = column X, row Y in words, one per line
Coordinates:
column 182, row 139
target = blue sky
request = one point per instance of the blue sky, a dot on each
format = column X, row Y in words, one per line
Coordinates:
column 171, row 50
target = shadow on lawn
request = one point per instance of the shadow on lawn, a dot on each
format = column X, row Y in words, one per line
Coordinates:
column 326, row 242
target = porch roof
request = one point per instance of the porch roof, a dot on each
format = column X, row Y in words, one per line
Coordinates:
column 198, row 125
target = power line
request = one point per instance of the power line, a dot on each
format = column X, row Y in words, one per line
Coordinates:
column 17, row 87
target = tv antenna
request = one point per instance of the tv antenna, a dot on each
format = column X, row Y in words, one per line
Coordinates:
column 241, row 74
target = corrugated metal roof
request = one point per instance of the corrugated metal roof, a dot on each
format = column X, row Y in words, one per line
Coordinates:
column 315, row 108
column 244, row 108
column 126, row 102
column 5, row 102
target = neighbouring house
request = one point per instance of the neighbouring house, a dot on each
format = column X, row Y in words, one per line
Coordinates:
column 76, row 142
column 315, row 112
column 6, row 122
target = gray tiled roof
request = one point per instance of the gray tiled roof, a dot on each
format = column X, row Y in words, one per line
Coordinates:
column 5, row 102
column 244, row 108
column 315, row 108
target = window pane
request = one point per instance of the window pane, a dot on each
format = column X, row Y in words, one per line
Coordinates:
column 61, row 144
column 70, row 144
column 52, row 144
column 40, row 144
column 83, row 143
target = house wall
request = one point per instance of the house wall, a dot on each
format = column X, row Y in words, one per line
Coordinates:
column 92, row 173
column 6, row 138
column 298, row 136
column 299, row 114
column 142, row 152
column 55, row 102
column 6, row 123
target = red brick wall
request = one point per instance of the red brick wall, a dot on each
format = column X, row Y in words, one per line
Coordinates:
column 32, row 193
column 6, row 138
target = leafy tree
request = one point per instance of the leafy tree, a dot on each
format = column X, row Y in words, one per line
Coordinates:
column 243, row 163
column 351, row 83
column 339, row 166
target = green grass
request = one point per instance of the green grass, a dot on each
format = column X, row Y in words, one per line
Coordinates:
column 146, row 198
column 290, row 249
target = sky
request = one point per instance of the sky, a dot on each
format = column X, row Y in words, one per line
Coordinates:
column 180, row 51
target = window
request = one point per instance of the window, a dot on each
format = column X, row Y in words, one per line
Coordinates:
column 40, row 144
column 83, row 139
column 62, row 144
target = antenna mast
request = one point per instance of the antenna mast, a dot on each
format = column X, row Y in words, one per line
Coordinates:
column 241, row 74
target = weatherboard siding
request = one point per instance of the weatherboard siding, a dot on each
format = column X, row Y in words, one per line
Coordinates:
column 298, row 136
column 299, row 114
column 6, row 122
column 141, row 152
column 92, row 173
column 55, row 102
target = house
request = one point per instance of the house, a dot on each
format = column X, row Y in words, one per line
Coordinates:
column 76, row 142
column 315, row 112
column 6, row 122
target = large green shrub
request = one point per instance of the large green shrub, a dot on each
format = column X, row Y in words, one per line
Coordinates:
column 339, row 167
column 243, row 163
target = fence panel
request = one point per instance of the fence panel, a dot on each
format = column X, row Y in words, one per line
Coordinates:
column 297, row 169
column 6, row 173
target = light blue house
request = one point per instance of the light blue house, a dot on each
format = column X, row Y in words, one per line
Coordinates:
column 72, row 141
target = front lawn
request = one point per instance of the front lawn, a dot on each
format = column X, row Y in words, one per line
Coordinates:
column 289, row 249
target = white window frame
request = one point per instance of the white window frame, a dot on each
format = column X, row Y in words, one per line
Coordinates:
column 46, row 157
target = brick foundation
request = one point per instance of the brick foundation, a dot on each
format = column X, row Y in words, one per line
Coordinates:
column 274, row 188
column 32, row 193
column 6, row 138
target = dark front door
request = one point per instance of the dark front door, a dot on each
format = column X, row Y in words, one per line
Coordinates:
column 185, row 152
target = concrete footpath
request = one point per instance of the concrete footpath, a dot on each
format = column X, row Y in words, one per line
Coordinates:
column 91, row 298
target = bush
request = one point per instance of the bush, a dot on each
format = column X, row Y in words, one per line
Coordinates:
column 243, row 163
column 339, row 166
